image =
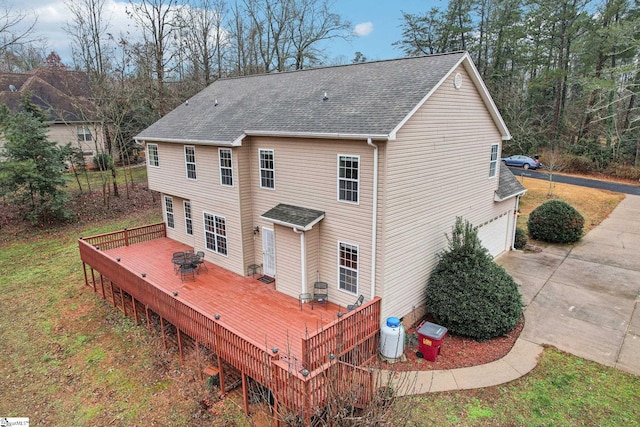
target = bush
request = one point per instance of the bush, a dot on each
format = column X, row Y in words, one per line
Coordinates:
column 521, row 239
column 103, row 161
column 468, row 292
column 555, row 221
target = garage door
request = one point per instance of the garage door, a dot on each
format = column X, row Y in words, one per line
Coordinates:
column 494, row 234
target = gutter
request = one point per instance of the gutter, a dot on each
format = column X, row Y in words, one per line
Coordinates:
column 374, row 219
column 303, row 261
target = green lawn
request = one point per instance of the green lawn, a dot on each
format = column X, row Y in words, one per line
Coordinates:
column 69, row 358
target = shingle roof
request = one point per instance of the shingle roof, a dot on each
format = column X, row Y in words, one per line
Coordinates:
column 362, row 99
column 64, row 96
column 293, row 216
column 508, row 185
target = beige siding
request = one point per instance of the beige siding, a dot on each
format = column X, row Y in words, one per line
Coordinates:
column 288, row 261
column 437, row 169
column 63, row 134
column 206, row 195
column 306, row 176
column 312, row 248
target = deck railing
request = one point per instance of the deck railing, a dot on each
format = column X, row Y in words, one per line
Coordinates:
column 127, row 237
column 299, row 391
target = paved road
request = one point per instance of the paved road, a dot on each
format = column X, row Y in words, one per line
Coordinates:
column 583, row 182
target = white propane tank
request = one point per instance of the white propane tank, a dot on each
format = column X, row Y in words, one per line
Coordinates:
column 392, row 338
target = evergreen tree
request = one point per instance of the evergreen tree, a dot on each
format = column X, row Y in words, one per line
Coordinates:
column 31, row 173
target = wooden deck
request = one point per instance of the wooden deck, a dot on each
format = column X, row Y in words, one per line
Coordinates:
column 299, row 353
column 245, row 305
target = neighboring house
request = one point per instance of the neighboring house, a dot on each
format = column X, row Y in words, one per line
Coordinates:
column 65, row 98
column 352, row 175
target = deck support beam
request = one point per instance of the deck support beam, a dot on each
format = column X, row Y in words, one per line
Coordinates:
column 180, row 344
column 104, row 296
column 93, row 279
column 124, row 305
column 135, row 309
column 245, row 393
column 84, row 270
column 113, row 295
column 164, row 337
column 146, row 313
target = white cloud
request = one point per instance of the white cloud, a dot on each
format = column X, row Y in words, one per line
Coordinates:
column 363, row 29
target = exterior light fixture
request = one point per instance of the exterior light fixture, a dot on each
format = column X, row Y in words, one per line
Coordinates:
column 144, row 275
column 175, row 293
column 118, row 259
column 332, row 356
column 275, row 350
column 305, row 372
column 216, row 316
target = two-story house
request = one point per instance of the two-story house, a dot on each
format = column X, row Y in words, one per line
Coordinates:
column 65, row 98
column 350, row 175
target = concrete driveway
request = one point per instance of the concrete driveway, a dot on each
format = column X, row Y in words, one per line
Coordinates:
column 585, row 298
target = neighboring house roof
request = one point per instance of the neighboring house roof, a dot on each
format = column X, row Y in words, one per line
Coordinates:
column 366, row 100
column 293, row 216
column 64, row 96
column 508, row 185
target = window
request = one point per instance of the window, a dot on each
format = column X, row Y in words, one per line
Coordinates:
column 348, row 267
column 348, row 178
column 188, row 222
column 226, row 167
column 190, row 160
column 267, row 169
column 152, row 154
column 215, row 233
column 493, row 164
column 84, row 133
column 168, row 211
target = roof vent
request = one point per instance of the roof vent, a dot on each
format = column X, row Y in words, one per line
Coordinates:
column 325, row 97
column 215, row 103
column 12, row 88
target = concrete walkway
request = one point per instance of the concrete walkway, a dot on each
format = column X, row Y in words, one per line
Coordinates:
column 583, row 299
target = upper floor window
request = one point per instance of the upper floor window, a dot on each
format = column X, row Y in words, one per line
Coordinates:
column 348, row 256
column 84, row 133
column 226, row 166
column 168, row 211
column 348, row 178
column 152, row 155
column 190, row 161
column 188, row 221
column 493, row 163
column 215, row 233
column 267, row 169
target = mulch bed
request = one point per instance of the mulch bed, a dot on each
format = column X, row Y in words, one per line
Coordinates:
column 457, row 352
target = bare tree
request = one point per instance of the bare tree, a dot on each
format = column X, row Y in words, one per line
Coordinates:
column 12, row 29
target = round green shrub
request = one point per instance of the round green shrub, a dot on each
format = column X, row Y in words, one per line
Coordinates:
column 521, row 239
column 469, row 293
column 555, row 221
column 103, row 161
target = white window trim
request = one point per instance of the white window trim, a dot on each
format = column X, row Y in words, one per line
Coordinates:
column 221, row 168
column 149, row 156
column 260, row 169
column 494, row 162
column 167, row 213
column 186, row 163
column 187, row 208
column 215, row 234
column 86, row 130
column 347, row 179
column 357, row 270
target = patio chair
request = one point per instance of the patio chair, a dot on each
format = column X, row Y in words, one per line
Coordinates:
column 178, row 261
column 199, row 261
column 320, row 294
column 187, row 272
column 356, row 304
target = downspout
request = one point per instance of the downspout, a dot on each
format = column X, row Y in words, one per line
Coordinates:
column 374, row 219
column 515, row 224
column 303, row 261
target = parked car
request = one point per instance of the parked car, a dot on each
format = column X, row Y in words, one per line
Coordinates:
column 525, row 162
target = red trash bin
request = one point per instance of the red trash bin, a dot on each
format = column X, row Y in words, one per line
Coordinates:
column 430, row 337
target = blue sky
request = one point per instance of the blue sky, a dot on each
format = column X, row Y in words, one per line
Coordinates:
column 376, row 25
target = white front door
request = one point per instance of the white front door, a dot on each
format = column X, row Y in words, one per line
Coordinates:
column 268, row 252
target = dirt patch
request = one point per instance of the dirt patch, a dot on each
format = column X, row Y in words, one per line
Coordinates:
column 456, row 352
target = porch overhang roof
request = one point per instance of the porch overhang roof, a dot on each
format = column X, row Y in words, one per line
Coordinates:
column 297, row 217
column 508, row 186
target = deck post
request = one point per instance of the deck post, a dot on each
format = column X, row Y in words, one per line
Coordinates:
column 135, row 309
column 180, row 344
column 245, row 393
column 146, row 313
column 93, row 279
column 223, row 391
column 104, row 296
column 124, row 305
column 113, row 295
column 84, row 269
column 164, row 337
column 126, row 237
column 198, row 359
